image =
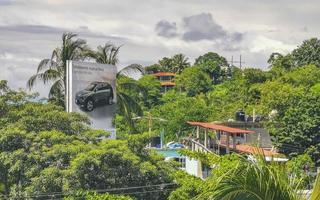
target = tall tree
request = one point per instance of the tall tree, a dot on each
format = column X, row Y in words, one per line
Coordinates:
column 215, row 65
column 194, row 81
column 307, row 53
column 179, row 63
column 166, row 64
column 53, row 70
column 154, row 68
column 43, row 156
column 107, row 54
column 175, row 64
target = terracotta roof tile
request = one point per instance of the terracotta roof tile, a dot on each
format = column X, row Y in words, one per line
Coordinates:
column 220, row 127
column 164, row 74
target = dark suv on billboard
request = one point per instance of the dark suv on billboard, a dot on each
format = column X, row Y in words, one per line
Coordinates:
column 94, row 94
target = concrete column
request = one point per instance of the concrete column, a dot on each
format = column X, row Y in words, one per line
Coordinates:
column 198, row 132
column 197, row 138
column 234, row 141
column 199, row 169
column 218, row 141
column 206, row 138
column 227, row 143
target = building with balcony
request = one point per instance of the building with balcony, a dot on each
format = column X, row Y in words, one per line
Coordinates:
column 166, row 80
column 221, row 139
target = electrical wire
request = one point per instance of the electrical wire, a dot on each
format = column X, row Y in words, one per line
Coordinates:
column 98, row 191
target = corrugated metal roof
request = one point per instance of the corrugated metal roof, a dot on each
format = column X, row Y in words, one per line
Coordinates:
column 220, row 127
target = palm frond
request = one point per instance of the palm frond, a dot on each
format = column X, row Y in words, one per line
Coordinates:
column 254, row 180
column 31, row 82
column 315, row 195
column 56, row 89
column 49, row 75
column 43, row 63
column 131, row 68
column 4, row 86
column 128, row 107
column 54, row 68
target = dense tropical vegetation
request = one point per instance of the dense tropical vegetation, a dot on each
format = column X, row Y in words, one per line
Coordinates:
column 48, row 153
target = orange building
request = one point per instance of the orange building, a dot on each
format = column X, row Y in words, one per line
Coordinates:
column 166, row 80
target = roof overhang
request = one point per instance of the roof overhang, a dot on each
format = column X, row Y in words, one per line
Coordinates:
column 222, row 128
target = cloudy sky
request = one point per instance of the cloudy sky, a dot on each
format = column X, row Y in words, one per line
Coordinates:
column 152, row 29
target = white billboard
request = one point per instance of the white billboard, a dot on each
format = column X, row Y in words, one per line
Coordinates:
column 91, row 90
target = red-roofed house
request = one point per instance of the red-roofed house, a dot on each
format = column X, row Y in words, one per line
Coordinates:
column 166, row 80
column 221, row 139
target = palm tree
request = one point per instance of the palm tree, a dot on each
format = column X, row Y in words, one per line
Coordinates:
column 315, row 195
column 53, row 70
column 179, row 62
column 3, row 87
column 107, row 54
column 253, row 181
column 127, row 106
column 256, row 180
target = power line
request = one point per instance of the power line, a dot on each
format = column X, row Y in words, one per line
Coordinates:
column 98, row 191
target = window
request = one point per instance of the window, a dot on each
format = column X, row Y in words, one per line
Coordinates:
column 104, row 87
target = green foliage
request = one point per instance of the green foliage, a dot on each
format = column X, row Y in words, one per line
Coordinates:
column 211, row 56
column 214, row 65
column 151, row 69
column 127, row 100
column 177, row 109
column 151, row 86
column 189, row 186
column 280, row 62
column 48, row 153
column 252, row 76
column 298, row 76
column 315, row 195
column 300, row 167
column 179, row 63
column 95, row 196
column 107, row 54
column 175, row 64
column 225, row 99
column 296, row 130
column 307, row 53
column 279, row 96
column 251, row 180
column 236, row 177
column 193, row 81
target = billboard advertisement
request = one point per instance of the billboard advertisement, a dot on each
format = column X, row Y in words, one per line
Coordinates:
column 91, row 90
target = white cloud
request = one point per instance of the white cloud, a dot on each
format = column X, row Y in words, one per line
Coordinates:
column 264, row 44
column 29, row 30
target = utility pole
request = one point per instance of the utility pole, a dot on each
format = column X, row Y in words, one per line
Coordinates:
column 240, row 61
column 231, row 60
column 150, row 118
